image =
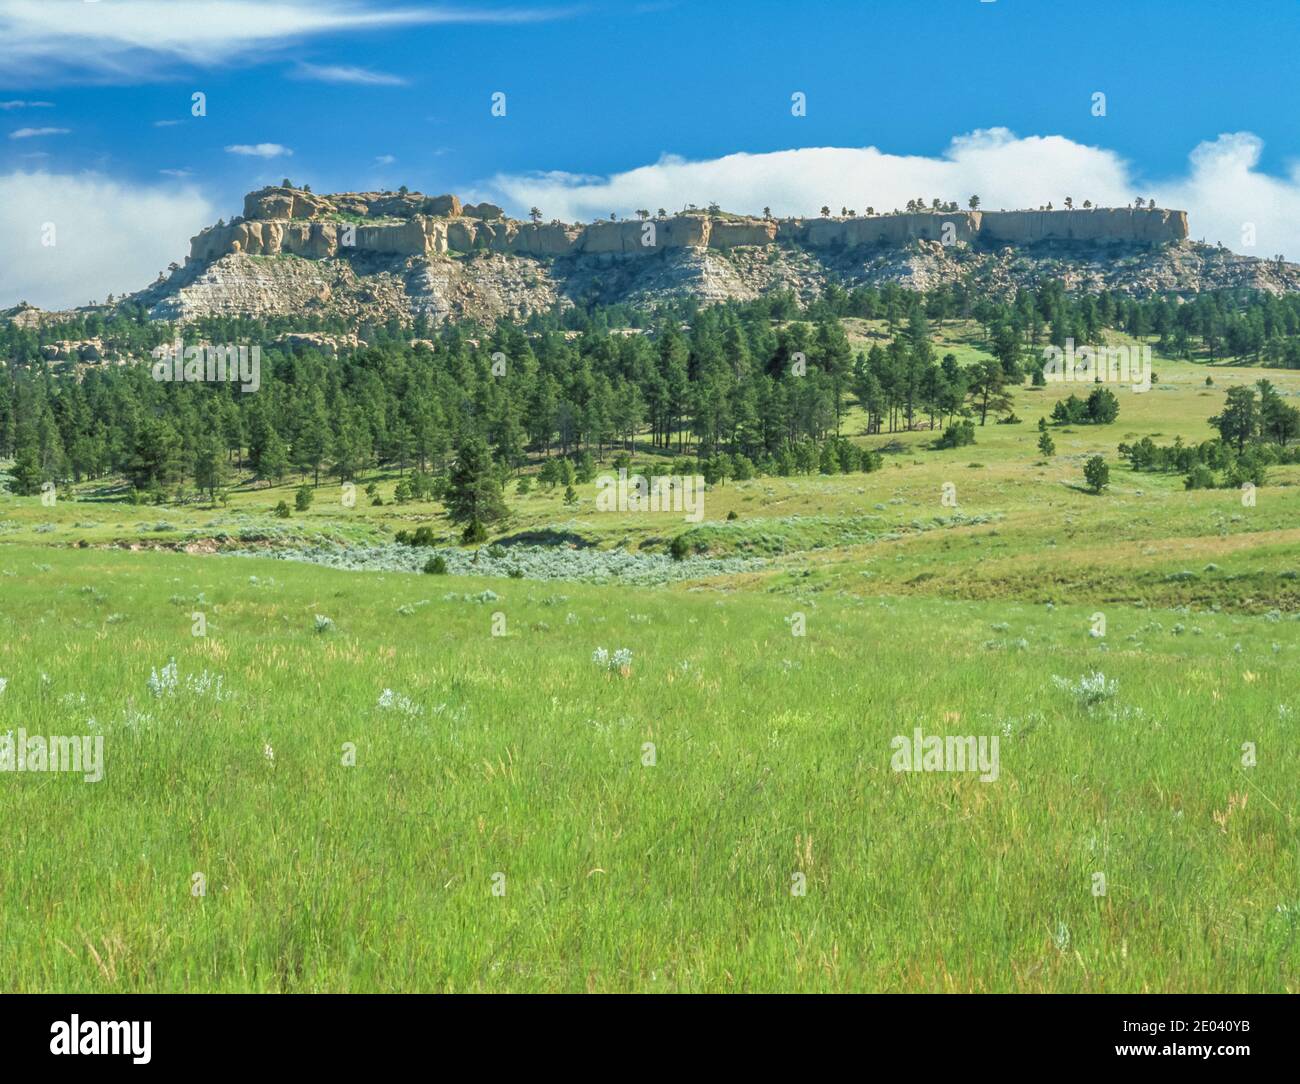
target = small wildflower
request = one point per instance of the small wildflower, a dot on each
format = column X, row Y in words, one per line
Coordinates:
column 620, row 660
column 393, row 701
column 163, row 684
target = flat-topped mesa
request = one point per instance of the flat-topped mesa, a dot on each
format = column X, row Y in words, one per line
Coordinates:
column 282, row 220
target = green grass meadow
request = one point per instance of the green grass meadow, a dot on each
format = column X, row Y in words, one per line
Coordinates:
column 439, row 788
column 518, row 755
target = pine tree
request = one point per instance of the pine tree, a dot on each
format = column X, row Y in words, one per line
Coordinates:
column 1096, row 474
column 473, row 493
column 311, row 444
column 26, row 475
column 273, row 461
column 211, row 471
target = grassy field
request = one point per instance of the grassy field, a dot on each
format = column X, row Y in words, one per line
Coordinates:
column 719, row 812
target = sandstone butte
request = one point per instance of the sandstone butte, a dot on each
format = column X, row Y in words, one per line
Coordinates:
column 289, row 221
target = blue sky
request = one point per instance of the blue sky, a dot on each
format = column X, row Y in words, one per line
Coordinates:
column 361, row 94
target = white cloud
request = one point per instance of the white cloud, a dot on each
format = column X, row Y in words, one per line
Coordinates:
column 30, row 133
column 259, row 150
column 1003, row 170
column 166, row 123
column 26, row 105
column 129, row 41
column 177, row 172
column 1225, row 191
column 385, row 159
column 342, row 73
column 109, row 237
column 1221, row 190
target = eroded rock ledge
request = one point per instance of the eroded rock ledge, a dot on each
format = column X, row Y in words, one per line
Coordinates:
column 289, row 221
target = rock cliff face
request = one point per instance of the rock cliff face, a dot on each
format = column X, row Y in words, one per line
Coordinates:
column 376, row 255
column 1102, row 225
column 287, row 221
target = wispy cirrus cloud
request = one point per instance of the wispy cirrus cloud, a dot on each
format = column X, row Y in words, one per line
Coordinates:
column 19, row 104
column 345, row 74
column 132, row 41
column 260, row 150
column 32, row 133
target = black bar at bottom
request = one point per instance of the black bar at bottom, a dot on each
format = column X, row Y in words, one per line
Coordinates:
column 349, row 1031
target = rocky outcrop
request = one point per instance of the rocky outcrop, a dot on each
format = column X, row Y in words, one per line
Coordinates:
column 487, row 211
column 26, row 316
column 540, row 239
column 285, row 203
column 1104, row 225
column 376, row 256
column 376, row 288
column 75, row 350
column 329, row 345
column 492, row 283
column 287, row 221
column 733, row 233
column 957, row 227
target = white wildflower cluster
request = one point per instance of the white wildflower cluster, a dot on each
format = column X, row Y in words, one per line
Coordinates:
column 1090, row 691
column 391, row 701
column 619, row 660
column 167, row 682
column 164, row 684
